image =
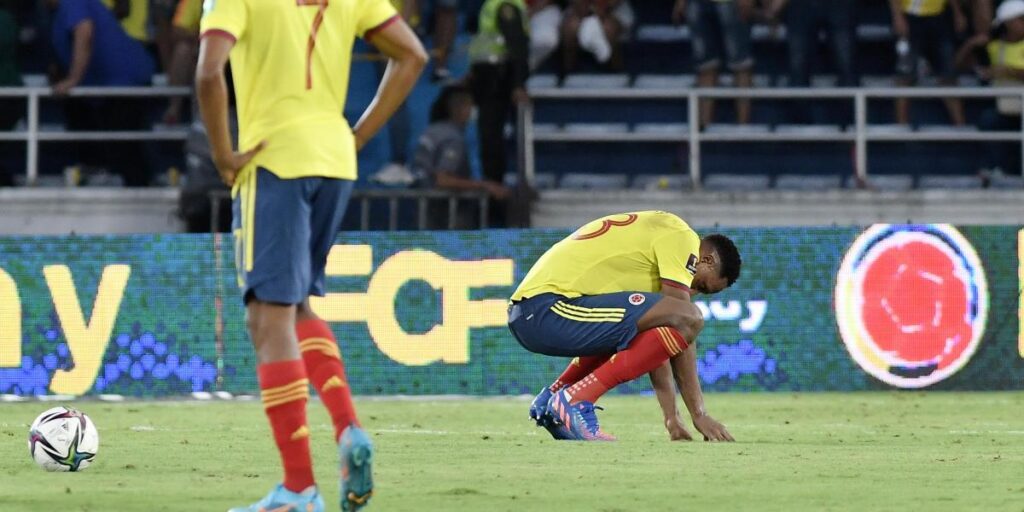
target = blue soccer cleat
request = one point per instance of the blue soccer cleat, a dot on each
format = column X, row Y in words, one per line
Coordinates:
column 540, row 413
column 356, row 452
column 576, row 422
column 283, row 500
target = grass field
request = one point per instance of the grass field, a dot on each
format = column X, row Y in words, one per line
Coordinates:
column 857, row 452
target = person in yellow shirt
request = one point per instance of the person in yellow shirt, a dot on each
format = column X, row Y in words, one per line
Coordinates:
column 927, row 28
column 137, row 17
column 615, row 295
column 291, row 182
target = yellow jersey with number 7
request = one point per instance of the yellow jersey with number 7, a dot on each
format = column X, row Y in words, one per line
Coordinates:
column 290, row 65
column 626, row 252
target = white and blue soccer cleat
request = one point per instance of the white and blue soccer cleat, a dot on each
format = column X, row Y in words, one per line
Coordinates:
column 283, row 500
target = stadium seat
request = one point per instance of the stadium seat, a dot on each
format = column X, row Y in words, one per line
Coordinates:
column 946, row 128
column 587, row 81
column 662, row 182
column 546, row 128
column 542, row 82
column 589, row 181
column 949, row 182
column 541, row 180
column 662, row 33
column 806, row 129
column 736, row 182
column 662, row 128
column 885, row 182
column 878, row 129
column 664, row 82
column 807, row 182
column 737, row 128
column 1003, row 182
column 878, row 81
column 873, row 32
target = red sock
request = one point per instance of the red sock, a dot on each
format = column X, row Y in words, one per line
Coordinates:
column 645, row 353
column 327, row 372
column 579, row 367
column 285, row 390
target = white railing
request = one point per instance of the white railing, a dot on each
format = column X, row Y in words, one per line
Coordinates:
column 860, row 134
column 33, row 134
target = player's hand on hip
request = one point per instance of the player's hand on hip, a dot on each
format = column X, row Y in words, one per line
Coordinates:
column 229, row 165
column 711, row 429
column 676, row 430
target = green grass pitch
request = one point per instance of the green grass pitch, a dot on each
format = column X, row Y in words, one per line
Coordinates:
column 795, row 452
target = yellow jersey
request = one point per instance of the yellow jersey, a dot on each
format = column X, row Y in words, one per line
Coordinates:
column 627, row 252
column 924, row 7
column 135, row 23
column 187, row 15
column 1006, row 54
column 290, row 65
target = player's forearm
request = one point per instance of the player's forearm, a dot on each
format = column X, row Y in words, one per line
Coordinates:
column 665, row 390
column 684, row 366
column 399, row 79
column 212, row 92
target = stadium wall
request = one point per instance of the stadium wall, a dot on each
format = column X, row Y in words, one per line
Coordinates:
column 887, row 306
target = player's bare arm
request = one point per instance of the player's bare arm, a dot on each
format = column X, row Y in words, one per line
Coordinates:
column 407, row 58
column 212, row 91
column 665, row 390
column 684, row 367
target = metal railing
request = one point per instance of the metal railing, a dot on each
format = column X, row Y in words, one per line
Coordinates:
column 860, row 135
column 422, row 197
column 33, row 134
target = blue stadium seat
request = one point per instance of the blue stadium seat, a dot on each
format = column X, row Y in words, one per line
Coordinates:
column 596, row 128
column 737, row 182
column 680, row 82
column 874, row 32
column 662, row 182
column 662, row 128
column 541, row 180
column 807, row 182
column 662, row 33
column 1003, row 181
column 885, row 182
column 589, row 181
column 542, row 82
column 807, row 129
column 948, row 182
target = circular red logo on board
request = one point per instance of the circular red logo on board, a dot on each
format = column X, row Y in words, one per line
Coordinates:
column 637, row 298
column 911, row 302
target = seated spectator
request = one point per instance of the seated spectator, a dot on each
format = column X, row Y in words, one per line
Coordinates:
column 10, row 111
column 1003, row 64
column 184, row 53
column 545, row 23
column 598, row 27
column 92, row 49
column 440, row 159
column 804, row 21
column 927, row 28
column 719, row 30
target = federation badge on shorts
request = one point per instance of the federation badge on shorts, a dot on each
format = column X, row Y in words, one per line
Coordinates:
column 637, row 298
column 911, row 302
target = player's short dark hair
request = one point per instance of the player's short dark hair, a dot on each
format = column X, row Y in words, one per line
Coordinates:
column 728, row 256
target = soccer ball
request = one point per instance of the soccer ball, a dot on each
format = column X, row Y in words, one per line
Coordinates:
column 63, row 439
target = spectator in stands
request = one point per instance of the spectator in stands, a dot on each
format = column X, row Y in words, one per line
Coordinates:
column 804, row 21
column 134, row 17
column 499, row 54
column 719, row 29
column 927, row 28
column 1004, row 65
column 10, row 76
column 92, row 49
column 598, row 27
column 398, row 125
column 446, row 24
column 441, row 161
column 183, row 54
column 545, row 26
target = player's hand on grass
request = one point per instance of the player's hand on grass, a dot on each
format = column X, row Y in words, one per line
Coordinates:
column 676, row 430
column 711, row 428
column 229, row 165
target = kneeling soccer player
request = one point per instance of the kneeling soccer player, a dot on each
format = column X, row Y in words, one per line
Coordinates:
column 615, row 295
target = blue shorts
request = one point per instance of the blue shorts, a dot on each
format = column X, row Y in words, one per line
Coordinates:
column 284, row 229
column 555, row 325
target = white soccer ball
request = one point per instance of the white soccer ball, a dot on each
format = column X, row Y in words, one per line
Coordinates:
column 63, row 439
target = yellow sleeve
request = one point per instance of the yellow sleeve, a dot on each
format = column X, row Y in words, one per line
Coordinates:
column 374, row 15
column 230, row 16
column 676, row 254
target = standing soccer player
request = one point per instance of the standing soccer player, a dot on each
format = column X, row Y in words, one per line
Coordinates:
column 291, row 180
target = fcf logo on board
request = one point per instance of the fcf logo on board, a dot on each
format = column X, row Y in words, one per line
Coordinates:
column 911, row 302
